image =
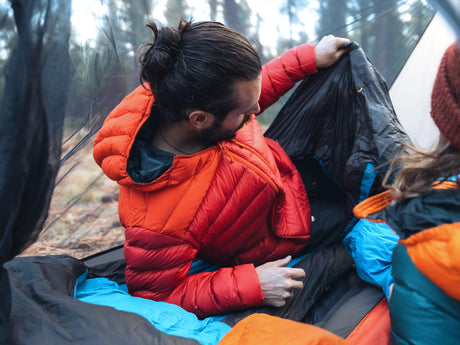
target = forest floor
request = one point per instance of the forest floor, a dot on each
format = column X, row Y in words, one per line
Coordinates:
column 83, row 215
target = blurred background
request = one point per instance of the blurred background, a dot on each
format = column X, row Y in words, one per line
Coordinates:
column 99, row 66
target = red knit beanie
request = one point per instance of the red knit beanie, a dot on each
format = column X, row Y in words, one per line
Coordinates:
column 445, row 98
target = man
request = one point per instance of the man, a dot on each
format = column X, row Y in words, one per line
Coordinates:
column 197, row 177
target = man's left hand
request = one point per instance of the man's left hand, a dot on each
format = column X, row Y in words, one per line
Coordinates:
column 327, row 51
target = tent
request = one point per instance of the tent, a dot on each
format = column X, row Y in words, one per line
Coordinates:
column 32, row 108
column 413, row 107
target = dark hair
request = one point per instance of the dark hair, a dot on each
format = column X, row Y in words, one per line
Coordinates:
column 195, row 66
column 420, row 171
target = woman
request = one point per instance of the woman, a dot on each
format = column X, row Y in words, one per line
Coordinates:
column 408, row 238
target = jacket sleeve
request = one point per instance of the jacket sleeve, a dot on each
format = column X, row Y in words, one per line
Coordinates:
column 371, row 246
column 158, row 266
column 280, row 74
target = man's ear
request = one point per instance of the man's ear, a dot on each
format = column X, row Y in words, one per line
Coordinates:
column 200, row 119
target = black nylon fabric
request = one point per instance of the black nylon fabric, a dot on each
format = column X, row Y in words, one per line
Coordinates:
column 322, row 269
column 421, row 213
column 342, row 117
column 333, row 297
column 344, row 305
column 5, row 305
column 45, row 312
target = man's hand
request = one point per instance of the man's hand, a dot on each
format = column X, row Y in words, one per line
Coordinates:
column 327, row 50
column 277, row 281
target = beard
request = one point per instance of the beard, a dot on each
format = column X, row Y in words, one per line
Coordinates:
column 215, row 133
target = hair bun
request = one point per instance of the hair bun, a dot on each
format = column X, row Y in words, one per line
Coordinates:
column 161, row 55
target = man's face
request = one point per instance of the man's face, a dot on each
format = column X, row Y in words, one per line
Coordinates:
column 247, row 94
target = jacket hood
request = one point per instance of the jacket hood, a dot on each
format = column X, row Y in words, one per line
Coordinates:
column 116, row 137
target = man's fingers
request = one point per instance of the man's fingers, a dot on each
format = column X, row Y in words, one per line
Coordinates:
column 279, row 303
column 341, row 41
column 296, row 284
column 328, row 51
column 281, row 262
column 346, row 46
column 295, row 273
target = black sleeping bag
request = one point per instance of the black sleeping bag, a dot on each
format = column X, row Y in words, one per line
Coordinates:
column 44, row 310
column 341, row 131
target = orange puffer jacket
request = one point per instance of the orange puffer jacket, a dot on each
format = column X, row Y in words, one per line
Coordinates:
column 238, row 204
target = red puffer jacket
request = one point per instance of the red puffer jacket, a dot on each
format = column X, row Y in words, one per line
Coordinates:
column 238, row 204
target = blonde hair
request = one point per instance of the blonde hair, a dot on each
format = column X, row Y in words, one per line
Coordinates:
column 418, row 171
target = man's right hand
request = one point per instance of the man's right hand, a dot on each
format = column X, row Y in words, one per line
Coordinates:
column 277, row 281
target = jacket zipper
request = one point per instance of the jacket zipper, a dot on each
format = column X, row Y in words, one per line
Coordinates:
column 258, row 171
column 250, row 149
